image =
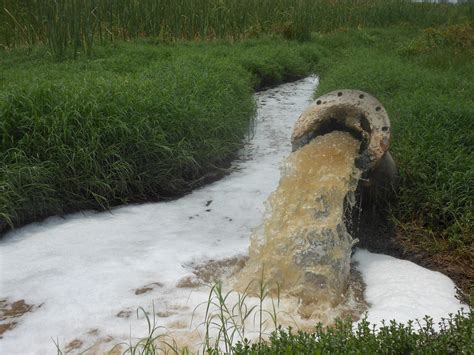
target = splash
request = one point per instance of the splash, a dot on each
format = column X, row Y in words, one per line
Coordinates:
column 302, row 245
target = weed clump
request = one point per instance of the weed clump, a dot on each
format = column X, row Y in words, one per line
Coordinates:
column 442, row 47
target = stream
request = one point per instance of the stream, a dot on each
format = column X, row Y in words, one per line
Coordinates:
column 79, row 280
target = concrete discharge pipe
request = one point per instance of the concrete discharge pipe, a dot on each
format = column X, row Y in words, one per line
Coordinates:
column 366, row 119
column 364, row 116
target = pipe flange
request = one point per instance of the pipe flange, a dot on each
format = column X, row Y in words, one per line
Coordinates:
column 351, row 110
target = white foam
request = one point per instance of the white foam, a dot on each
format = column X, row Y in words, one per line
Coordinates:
column 402, row 290
column 83, row 270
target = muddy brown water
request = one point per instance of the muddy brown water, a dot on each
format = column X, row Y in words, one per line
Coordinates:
column 303, row 248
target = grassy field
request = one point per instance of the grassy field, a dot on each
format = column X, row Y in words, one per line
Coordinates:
column 71, row 26
column 136, row 122
column 108, row 102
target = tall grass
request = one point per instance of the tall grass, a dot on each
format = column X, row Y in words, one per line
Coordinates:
column 137, row 122
column 68, row 26
column 229, row 314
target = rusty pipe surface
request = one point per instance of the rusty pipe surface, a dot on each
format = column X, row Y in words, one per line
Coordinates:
column 359, row 113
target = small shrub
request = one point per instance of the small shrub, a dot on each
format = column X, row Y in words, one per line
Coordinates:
column 453, row 337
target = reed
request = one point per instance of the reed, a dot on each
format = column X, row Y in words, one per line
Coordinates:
column 69, row 26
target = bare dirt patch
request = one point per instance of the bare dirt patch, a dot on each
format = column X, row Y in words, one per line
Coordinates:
column 148, row 288
column 124, row 313
column 458, row 266
column 10, row 312
column 93, row 332
column 189, row 282
column 165, row 314
column 6, row 327
column 74, row 345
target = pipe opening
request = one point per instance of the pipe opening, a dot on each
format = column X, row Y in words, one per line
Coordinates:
column 333, row 124
column 351, row 111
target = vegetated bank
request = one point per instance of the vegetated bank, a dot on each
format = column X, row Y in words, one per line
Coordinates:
column 136, row 122
column 145, row 120
column 425, row 80
column 452, row 335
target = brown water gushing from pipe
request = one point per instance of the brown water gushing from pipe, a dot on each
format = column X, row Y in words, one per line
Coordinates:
column 302, row 245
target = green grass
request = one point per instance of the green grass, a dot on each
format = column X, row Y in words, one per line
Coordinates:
column 70, row 26
column 427, row 90
column 149, row 119
column 454, row 337
column 135, row 122
column 145, row 120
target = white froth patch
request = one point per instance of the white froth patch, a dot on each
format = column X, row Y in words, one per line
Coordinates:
column 402, row 290
column 88, row 268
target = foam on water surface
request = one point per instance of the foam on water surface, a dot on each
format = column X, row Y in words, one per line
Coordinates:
column 83, row 277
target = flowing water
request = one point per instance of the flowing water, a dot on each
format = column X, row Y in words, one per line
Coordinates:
column 302, row 245
column 80, row 279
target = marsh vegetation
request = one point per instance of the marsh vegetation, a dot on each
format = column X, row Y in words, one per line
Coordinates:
column 105, row 103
